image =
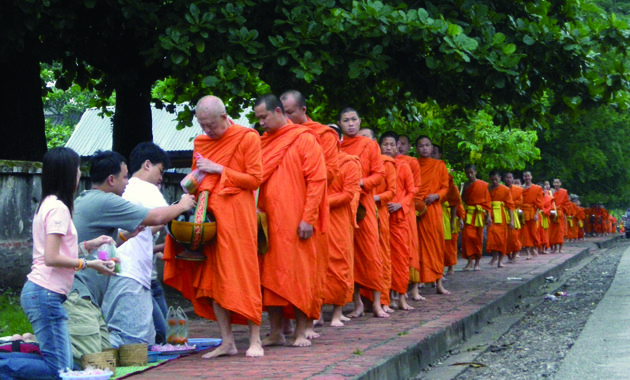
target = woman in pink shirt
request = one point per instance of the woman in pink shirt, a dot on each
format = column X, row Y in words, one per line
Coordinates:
column 55, row 259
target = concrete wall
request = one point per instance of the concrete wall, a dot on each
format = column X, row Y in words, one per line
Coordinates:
column 20, row 193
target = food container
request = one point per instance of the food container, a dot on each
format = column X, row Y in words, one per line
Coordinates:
column 133, row 354
column 100, row 360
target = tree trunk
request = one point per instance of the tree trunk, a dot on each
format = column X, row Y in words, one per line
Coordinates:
column 22, row 127
column 132, row 120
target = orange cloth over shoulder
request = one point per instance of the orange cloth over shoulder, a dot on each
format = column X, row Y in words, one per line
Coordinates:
column 499, row 229
column 399, row 228
column 455, row 204
column 430, row 228
column 293, row 190
column 230, row 275
column 514, row 236
column 367, row 260
column 532, row 202
column 557, row 229
column 339, row 284
column 414, row 248
column 476, row 196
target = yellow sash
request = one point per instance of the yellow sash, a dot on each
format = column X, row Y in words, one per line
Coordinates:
column 570, row 219
column 478, row 212
column 544, row 221
column 580, row 223
column 517, row 220
column 497, row 212
column 446, row 220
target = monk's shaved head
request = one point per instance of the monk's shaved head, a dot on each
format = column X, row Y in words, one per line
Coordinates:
column 299, row 98
column 294, row 105
column 210, row 105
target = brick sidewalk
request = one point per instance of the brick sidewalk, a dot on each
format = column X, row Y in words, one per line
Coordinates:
column 382, row 348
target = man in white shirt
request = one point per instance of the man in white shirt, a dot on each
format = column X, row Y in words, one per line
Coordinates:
column 128, row 303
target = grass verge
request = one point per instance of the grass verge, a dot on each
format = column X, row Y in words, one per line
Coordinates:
column 13, row 320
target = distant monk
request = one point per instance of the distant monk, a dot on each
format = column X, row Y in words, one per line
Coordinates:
column 292, row 195
column 339, row 283
column 514, row 235
column 547, row 212
column 502, row 219
column 558, row 224
column 368, row 265
column 430, row 228
column 414, row 248
column 294, row 105
column 532, row 202
column 477, row 204
column 452, row 214
column 226, row 286
column 399, row 208
column 404, row 145
column 581, row 217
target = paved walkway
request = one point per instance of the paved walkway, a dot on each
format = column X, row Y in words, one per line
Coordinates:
column 394, row 348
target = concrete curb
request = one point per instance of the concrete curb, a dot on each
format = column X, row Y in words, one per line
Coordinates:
column 414, row 358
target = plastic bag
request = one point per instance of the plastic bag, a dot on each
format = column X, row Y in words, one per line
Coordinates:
column 177, row 320
column 106, row 252
column 190, row 183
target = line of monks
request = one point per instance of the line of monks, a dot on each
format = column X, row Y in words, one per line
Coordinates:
column 309, row 215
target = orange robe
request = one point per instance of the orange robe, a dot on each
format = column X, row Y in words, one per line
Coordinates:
column 399, row 226
column 477, row 204
column 386, row 191
column 430, row 229
column 545, row 218
column 453, row 201
column 532, row 202
column 230, row 274
column 499, row 229
column 514, row 236
column 414, row 248
column 328, row 139
column 557, row 226
column 339, row 284
column 368, row 265
column 293, row 190
column 572, row 226
column 581, row 216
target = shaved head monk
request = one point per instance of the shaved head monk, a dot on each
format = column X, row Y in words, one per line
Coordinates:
column 294, row 105
column 292, row 194
column 367, row 132
column 368, row 265
column 477, row 204
column 226, row 286
column 514, row 235
column 558, row 224
column 532, row 202
column 430, row 225
column 502, row 219
column 404, row 145
column 399, row 230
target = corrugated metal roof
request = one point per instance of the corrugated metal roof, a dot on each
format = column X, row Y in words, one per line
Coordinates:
column 94, row 132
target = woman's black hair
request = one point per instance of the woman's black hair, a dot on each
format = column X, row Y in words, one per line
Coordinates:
column 59, row 175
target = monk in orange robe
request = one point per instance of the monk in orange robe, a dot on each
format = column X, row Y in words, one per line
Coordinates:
column 368, row 265
column 558, row 222
column 514, row 235
column 581, row 218
column 226, row 286
column 384, row 193
column 502, row 219
column 430, row 226
column 452, row 209
column 339, row 284
column 397, row 208
column 532, row 202
column 414, row 248
column 292, row 195
column 294, row 105
column 477, row 204
column 545, row 217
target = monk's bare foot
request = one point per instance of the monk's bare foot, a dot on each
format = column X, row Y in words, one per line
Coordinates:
column 380, row 313
column 357, row 312
column 387, row 309
column 274, row 340
column 492, row 262
column 310, row 333
column 440, row 289
column 414, row 294
column 343, row 318
column 301, row 341
column 222, row 350
column 336, row 323
column 393, row 303
column 477, row 267
column 320, row 321
column 468, row 267
column 501, row 266
column 404, row 305
column 255, row 350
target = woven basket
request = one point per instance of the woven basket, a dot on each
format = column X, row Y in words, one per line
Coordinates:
column 101, row 360
column 114, row 352
column 133, row 354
